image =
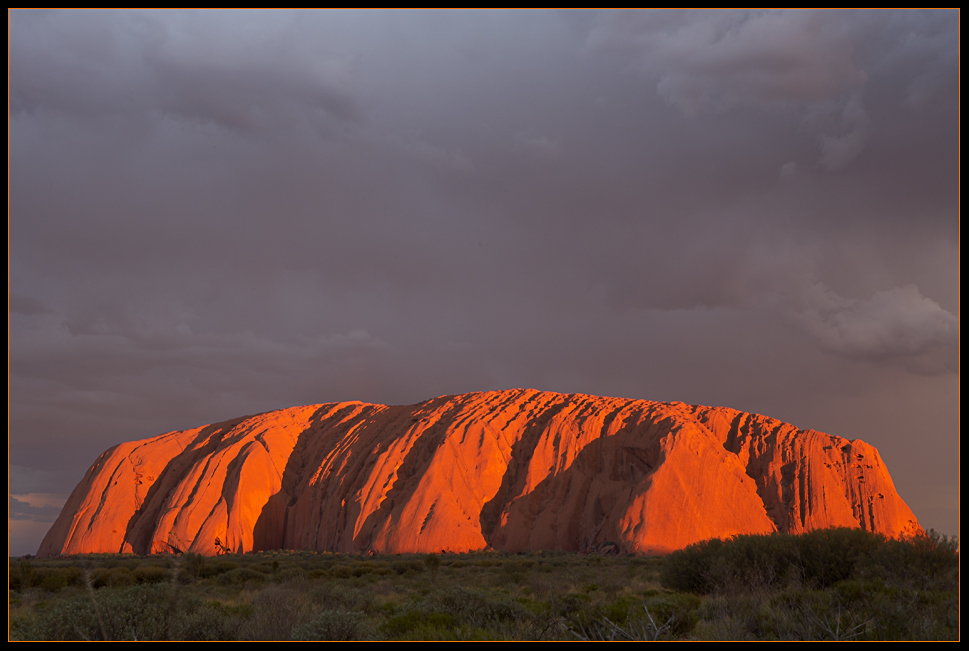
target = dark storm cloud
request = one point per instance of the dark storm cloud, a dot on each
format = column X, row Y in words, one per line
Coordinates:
column 36, row 508
column 183, row 65
column 899, row 322
column 819, row 63
column 25, row 305
column 219, row 213
column 718, row 59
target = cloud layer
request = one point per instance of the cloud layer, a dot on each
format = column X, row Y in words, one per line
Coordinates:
column 213, row 214
column 897, row 323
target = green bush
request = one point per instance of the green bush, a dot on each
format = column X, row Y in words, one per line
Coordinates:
column 689, row 569
column 136, row 613
column 19, row 574
column 72, row 618
column 275, row 611
column 55, row 579
column 215, row 568
column 209, row 622
column 827, row 556
column 240, row 576
column 141, row 612
column 676, row 610
column 665, row 617
column 113, row 577
column 150, row 574
column 341, row 571
column 929, row 561
column 817, row 559
column 416, row 624
column 333, row 596
column 412, row 566
column 340, row 624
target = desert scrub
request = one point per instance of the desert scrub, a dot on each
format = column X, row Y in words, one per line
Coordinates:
column 757, row 588
column 141, row 612
column 819, row 559
column 332, row 596
column 209, row 621
column 275, row 611
column 339, row 624
column 151, row 574
column 924, row 562
column 658, row 617
column 114, row 577
column 458, row 613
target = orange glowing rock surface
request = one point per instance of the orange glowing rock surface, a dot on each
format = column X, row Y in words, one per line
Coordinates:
column 509, row 470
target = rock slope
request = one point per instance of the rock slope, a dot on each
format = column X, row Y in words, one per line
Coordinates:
column 510, row 470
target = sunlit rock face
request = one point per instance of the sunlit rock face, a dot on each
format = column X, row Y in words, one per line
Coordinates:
column 508, row 470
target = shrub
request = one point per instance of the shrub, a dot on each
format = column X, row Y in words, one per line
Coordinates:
column 416, row 624
column 330, row 596
column 827, row 556
column 136, row 613
column 150, row 574
column 930, row 560
column 412, row 566
column 818, row 559
column 114, row 577
column 142, row 612
column 689, row 569
column 341, row 571
column 241, row 575
column 275, row 611
column 654, row 619
column 72, row 618
column 677, row 610
column 210, row 622
column 215, row 568
column 55, row 579
column 340, row 624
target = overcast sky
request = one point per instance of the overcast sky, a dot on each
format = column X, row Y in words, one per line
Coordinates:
column 214, row 214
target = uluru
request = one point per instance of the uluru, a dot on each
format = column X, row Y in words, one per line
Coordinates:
column 510, row 470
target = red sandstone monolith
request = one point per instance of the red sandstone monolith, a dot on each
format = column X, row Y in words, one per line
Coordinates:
column 509, row 470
